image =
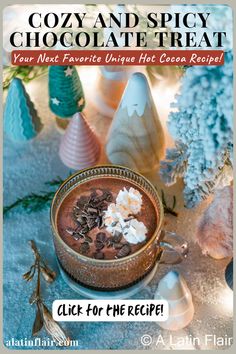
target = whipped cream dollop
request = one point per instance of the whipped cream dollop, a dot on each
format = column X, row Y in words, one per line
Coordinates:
column 117, row 216
column 114, row 218
column 135, row 231
column 130, row 199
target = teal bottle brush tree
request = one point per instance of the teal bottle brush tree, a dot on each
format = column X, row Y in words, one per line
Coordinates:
column 202, row 126
column 66, row 95
column 21, row 121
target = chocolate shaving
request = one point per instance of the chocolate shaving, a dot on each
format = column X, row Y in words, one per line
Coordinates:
column 118, row 246
column 70, row 231
column 114, row 223
column 117, row 237
column 82, row 235
column 85, row 229
column 82, row 201
column 76, row 236
column 103, row 206
column 99, row 245
column 109, row 197
column 100, row 222
column 129, row 218
column 91, row 210
column 124, row 251
column 101, row 236
column 109, row 242
column 81, row 219
column 88, row 239
column 84, row 248
column 93, row 195
column 88, row 211
column 91, row 223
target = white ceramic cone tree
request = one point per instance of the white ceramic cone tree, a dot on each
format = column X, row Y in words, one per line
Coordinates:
column 80, row 147
column 136, row 137
column 173, row 288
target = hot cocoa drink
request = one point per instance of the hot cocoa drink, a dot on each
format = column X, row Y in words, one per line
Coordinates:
column 106, row 218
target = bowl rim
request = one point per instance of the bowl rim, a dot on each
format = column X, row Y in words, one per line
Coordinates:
column 108, row 261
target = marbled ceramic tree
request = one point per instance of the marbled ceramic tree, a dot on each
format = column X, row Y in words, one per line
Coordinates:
column 136, row 137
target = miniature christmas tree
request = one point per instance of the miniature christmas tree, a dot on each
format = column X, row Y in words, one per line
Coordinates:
column 109, row 88
column 21, row 121
column 80, row 147
column 136, row 137
column 203, row 128
column 112, row 80
column 174, row 289
column 66, row 96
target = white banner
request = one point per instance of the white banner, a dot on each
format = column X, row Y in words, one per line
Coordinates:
column 110, row 310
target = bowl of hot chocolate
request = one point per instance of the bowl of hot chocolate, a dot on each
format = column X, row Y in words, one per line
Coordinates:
column 107, row 224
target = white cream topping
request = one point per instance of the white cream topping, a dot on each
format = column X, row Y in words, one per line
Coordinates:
column 135, row 231
column 116, row 217
column 115, row 214
column 130, row 199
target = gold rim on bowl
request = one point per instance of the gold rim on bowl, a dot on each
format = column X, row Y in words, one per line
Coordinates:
column 102, row 261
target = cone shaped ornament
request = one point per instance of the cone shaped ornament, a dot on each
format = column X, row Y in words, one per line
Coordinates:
column 80, row 147
column 136, row 137
column 112, row 79
column 109, row 88
column 66, row 95
column 173, row 288
column 21, row 121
